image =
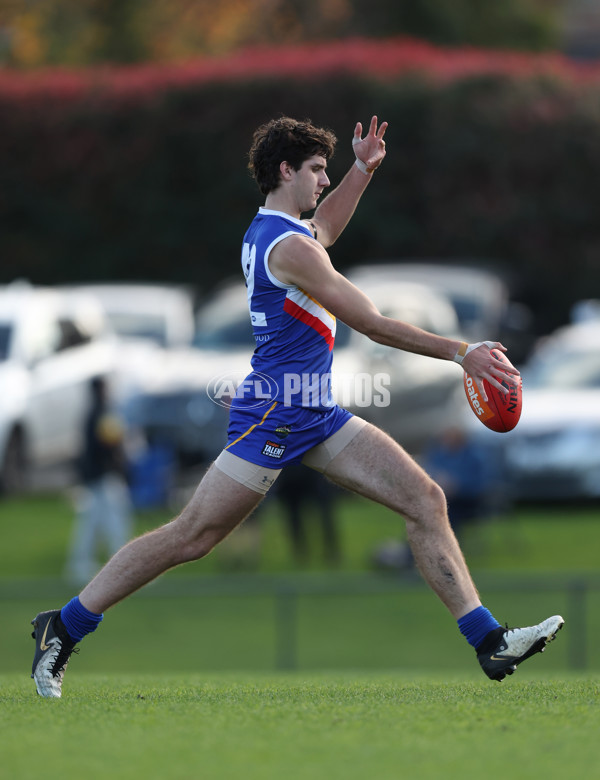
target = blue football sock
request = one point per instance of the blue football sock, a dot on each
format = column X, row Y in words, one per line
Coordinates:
column 476, row 624
column 78, row 620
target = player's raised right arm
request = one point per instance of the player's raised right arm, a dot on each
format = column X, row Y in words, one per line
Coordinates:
column 335, row 211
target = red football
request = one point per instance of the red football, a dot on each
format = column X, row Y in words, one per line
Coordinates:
column 502, row 411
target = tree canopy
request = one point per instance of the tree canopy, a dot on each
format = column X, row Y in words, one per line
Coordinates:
column 76, row 33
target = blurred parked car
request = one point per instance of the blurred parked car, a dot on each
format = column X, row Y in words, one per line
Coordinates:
column 51, row 346
column 184, row 412
column 480, row 298
column 161, row 378
column 178, row 409
column 554, row 452
column 175, row 410
column 161, row 313
column 422, row 391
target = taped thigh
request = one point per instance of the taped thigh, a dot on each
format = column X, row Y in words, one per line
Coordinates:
column 320, row 457
column 257, row 478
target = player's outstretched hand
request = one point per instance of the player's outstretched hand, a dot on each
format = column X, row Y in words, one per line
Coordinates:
column 481, row 364
column 371, row 149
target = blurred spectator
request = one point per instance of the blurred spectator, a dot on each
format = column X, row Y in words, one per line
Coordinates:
column 152, row 471
column 308, row 500
column 103, row 505
column 459, row 465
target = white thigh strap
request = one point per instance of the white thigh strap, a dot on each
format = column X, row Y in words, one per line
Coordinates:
column 319, row 457
column 257, row 478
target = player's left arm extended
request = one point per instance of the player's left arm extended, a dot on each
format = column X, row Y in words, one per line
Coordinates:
column 335, row 211
column 300, row 261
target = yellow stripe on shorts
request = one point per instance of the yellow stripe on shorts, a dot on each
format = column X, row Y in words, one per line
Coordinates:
column 252, row 427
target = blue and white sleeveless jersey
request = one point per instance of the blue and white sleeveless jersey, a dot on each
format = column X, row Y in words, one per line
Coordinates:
column 294, row 334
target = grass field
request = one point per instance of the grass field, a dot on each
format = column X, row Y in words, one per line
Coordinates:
column 36, row 533
column 323, row 726
column 247, row 607
column 180, row 681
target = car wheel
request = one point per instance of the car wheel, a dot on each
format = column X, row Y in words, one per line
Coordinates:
column 13, row 476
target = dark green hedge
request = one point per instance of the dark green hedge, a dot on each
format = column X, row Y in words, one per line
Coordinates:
column 501, row 168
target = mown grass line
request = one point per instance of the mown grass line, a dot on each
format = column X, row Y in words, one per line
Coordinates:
column 327, row 725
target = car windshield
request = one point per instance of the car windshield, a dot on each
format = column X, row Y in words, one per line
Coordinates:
column 5, row 333
column 143, row 326
column 564, row 370
column 234, row 334
column 468, row 310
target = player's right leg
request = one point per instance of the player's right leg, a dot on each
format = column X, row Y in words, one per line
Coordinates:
column 220, row 503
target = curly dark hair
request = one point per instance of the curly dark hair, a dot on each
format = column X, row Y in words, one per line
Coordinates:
column 286, row 139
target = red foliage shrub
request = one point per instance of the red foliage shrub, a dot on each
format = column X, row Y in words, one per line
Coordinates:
column 375, row 59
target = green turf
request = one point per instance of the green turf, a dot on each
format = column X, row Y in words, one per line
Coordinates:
column 168, row 705
column 36, row 533
column 246, row 607
column 343, row 631
column 321, row 726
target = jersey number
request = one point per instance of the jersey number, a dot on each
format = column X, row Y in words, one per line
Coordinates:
column 258, row 318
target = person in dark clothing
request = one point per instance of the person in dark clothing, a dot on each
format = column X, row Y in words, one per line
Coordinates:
column 308, row 500
column 103, row 506
column 458, row 464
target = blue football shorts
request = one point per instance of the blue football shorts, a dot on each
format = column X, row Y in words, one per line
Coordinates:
column 277, row 435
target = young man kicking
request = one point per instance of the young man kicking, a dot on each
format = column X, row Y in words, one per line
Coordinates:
column 284, row 413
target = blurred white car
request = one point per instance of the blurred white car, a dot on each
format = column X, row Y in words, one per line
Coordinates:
column 480, row 298
column 172, row 407
column 554, row 452
column 161, row 313
column 176, row 406
column 51, row 346
column 422, row 392
column 160, row 378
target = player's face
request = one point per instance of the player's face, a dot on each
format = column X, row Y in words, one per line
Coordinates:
column 310, row 181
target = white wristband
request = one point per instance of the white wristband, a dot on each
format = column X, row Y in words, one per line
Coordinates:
column 465, row 348
column 362, row 167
